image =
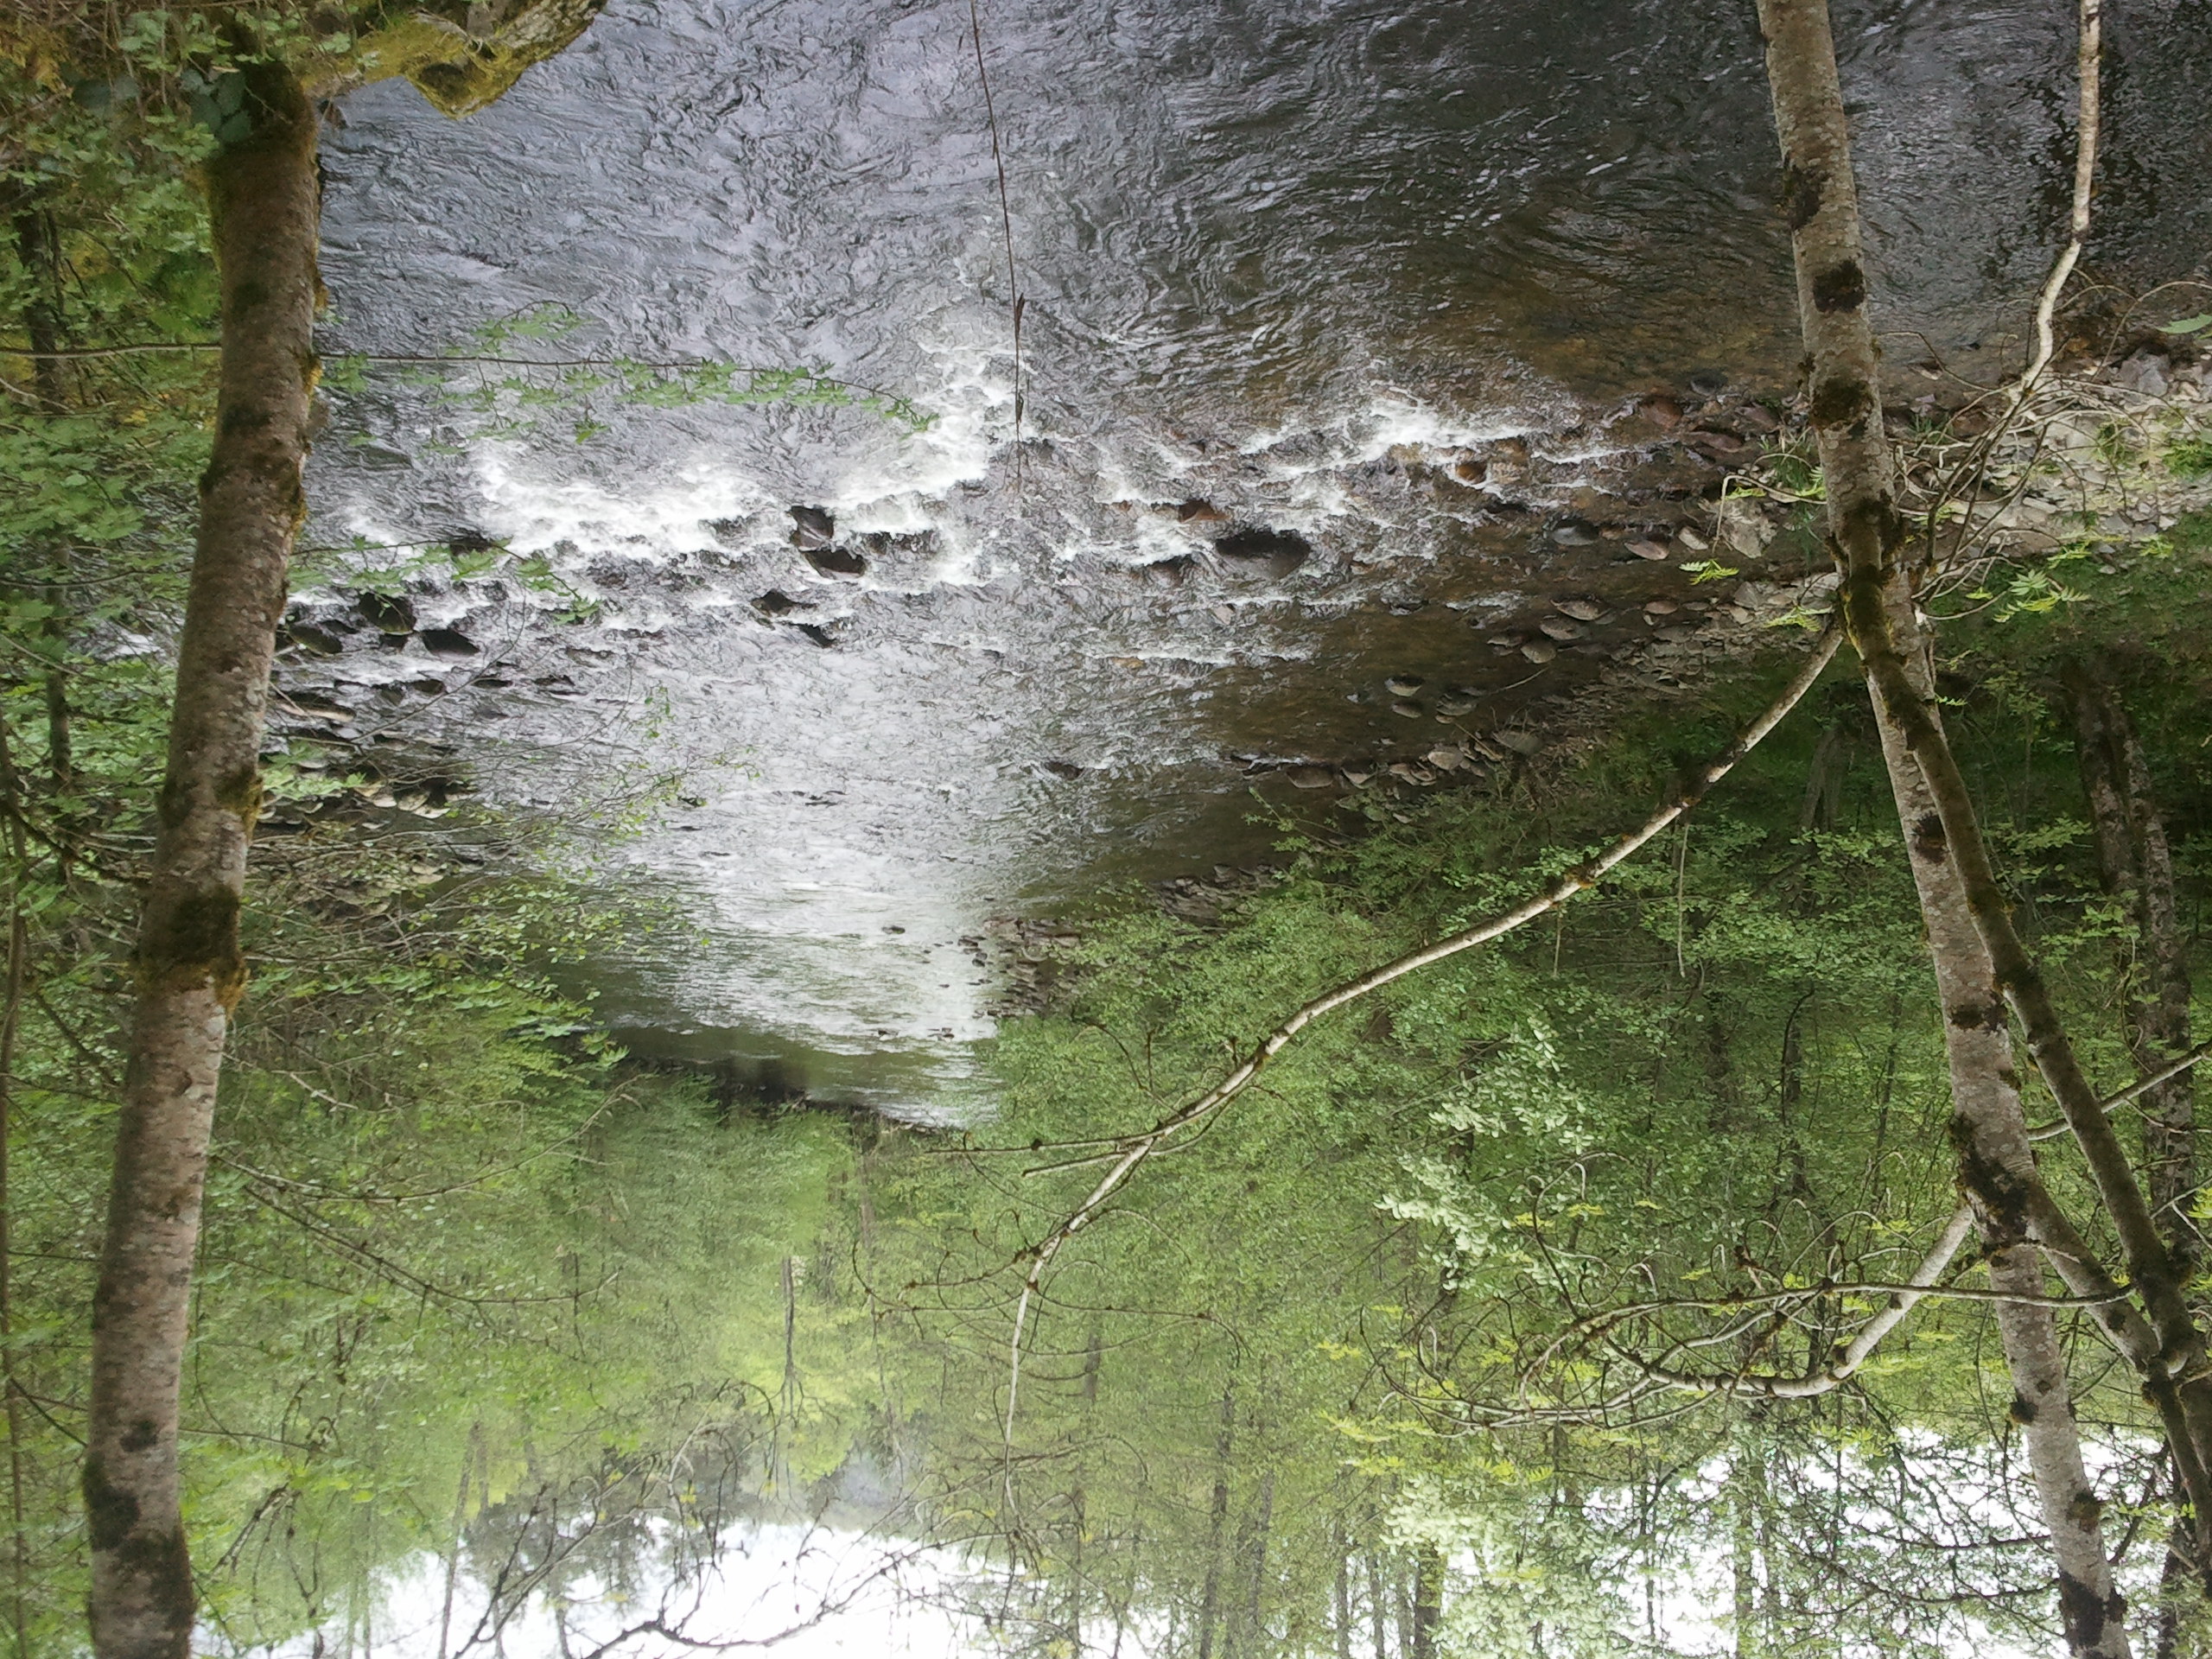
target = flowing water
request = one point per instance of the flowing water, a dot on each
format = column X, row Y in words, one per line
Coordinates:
column 1376, row 286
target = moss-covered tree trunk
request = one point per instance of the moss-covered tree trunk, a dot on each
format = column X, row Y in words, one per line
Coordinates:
column 1997, row 1169
column 262, row 196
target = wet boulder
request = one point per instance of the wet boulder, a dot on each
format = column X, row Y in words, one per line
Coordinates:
column 1277, row 551
column 387, row 612
column 1575, row 532
column 835, row 561
column 314, row 637
column 448, row 643
column 777, row 602
column 812, row 528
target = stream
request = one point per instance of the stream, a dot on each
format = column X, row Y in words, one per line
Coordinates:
column 1336, row 320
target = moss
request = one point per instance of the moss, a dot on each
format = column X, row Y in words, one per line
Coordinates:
column 1802, row 188
column 1840, row 288
column 461, row 56
column 1841, row 400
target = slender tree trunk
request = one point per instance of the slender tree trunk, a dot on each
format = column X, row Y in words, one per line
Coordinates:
column 2136, row 864
column 1217, row 1525
column 1996, row 1163
column 1429, row 1600
column 19, row 1538
column 190, row 971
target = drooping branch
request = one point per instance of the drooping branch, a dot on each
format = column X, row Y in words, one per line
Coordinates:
column 1127, row 1155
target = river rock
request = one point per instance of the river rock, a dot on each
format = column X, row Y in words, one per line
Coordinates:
column 387, row 612
column 1167, row 573
column 1196, row 512
column 1645, row 548
column 1518, row 742
column 1408, row 710
column 1280, row 551
column 314, row 637
column 448, row 643
column 1446, row 759
column 1540, row 650
column 1582, row 610
column 777, row 602
column 1311, row 777
column 1661, row 607
column 1575, row 532
column 812, row 528
column 835, row 561
column 1663, row 412
column 1403, row 685
column 1470, row 469
column 1560, row 628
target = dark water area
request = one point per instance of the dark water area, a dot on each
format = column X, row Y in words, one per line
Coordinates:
column 1378, row 286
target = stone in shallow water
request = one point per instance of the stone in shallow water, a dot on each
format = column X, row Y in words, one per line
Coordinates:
column 1403, row 685
column 1575, row 532
column 1540, row 650
column 811, row 527
column 1581, row 609
column 1309, row 777
column 1281, row 551
column 1410, row 711
column 836, row 560
column 387, row 612
column 448, row 643
column 776, row 602
column 1558, row 627
column 1645, row 548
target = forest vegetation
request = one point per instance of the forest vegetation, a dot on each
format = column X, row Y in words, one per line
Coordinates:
column 1785, row 1236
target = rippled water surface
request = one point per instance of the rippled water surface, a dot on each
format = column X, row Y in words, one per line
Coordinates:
column 1384, row 280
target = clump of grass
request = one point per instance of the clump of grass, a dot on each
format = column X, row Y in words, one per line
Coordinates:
column 2190, row 457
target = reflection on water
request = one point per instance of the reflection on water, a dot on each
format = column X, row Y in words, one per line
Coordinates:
column 777, row 1415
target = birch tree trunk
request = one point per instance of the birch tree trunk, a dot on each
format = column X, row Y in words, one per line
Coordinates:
column 189, row 969
column 1996, row 1166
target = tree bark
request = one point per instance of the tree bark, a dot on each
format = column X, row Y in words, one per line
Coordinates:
column 2136, row 865
column 189, row 969
column 1997, row 1165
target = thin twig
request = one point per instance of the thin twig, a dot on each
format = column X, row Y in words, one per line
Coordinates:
column 1133, row 1150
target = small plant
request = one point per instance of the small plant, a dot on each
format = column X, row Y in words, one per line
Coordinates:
column 1701, row 570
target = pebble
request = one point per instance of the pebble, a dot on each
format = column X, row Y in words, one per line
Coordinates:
column 1558, row 627
column 1645, row 548
column 1403, row 685
column 836, row 560
column 1691, row 539
column 1519, row 742
column 1446, row 759
column 1582, row 610
column 448, row 642
column 1201, row 512
column 775, row 602
column 1575, row 532
column 1311, row 777
column 1661, row 607
column 1410, row 711
column 1540, row 650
